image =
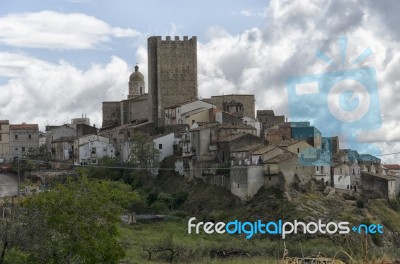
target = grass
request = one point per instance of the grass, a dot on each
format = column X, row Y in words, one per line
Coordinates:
column 208, row 203
column 196, row 248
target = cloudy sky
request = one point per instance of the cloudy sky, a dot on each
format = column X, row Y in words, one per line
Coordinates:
column 60, row 59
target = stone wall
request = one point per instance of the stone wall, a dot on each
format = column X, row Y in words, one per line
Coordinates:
column 228, row 103
column 376, row 186
column 268, row 119
column 139, row 109
column 172, row 69
column 111, row 114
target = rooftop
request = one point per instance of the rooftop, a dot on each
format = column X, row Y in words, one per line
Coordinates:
column 263, row 149
column 235, row 136
column 392, row 166
column 281, row 157
column 25, row 127
column 247, row 148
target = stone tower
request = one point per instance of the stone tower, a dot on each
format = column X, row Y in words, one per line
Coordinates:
column 172, row 73
column 136, row 84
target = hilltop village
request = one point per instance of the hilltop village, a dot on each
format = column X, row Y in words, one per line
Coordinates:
column 222, row 139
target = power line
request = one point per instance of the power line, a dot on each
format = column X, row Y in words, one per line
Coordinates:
column 387, row 154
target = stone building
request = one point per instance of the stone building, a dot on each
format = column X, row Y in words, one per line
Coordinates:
column 133, row 110
column 377, row 186
column 239, row 105
column 56, row 132
column 22, row 137
column 268, row 119
column 245, row 181
column 181, row 113
column 278, row 132
column 89, row 149
column 4, row 140
column 172, row 69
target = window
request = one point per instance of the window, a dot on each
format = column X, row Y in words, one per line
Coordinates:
column 0, row 137
column 104, row 149
column 298, row 150
column 93, row 150
column 23, row 149
column 16, row 149
column 159, row 146
column 29, row 136
column 16, row 136
column 269, row 178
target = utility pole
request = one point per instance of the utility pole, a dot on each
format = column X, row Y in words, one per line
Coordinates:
column 19, row 177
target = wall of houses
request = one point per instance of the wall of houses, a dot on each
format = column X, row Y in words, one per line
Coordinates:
column 254, row 123
column 342, row 181
column 62, row 149
column 224, row 117
column 5, row 140
column 200, row 115
column 278, row 132
column 245, row 181
column 165, row 145
column 22, row 138
column 375, row 186
column 90, row 152
column 56, row 132
column 230, row 103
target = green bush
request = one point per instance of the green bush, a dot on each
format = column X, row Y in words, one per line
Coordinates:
column 360, row 203
column 159, row 207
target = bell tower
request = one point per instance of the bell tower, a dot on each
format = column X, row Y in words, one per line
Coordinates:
column 136, row 83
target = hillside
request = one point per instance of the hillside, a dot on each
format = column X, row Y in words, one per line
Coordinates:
column 211, row 203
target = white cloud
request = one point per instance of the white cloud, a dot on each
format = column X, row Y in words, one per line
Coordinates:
column 45, row 92
column 54, row 30
column 11, row 64
column 260, row 60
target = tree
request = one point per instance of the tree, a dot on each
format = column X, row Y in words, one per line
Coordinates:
column 38, row 153
column 144, row 157
column 75, row 222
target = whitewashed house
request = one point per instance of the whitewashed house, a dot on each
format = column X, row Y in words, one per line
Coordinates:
column 341, row 176
column 91, row 148
column 177, row 114
column 164, row 144
column 252, row 122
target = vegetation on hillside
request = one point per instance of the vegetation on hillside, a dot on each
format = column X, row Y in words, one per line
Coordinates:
column 77, row 220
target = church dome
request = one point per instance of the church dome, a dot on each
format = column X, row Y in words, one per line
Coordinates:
column 136, row 76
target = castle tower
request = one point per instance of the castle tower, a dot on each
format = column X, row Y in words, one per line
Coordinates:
column 136, row 84
column 172, row 73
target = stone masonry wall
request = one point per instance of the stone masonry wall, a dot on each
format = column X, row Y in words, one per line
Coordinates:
column 111, row 114
column 247, row 100
column 172, row 73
